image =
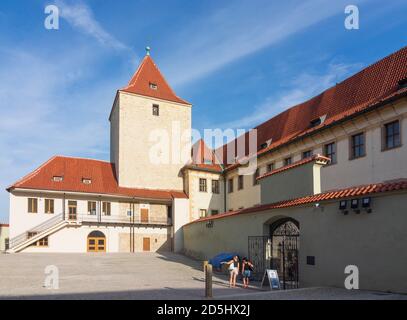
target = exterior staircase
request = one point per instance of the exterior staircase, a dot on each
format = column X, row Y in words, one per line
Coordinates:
column 40, row 231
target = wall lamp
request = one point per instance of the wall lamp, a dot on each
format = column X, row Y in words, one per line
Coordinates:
column 209, row 224
column 354, row 204
column 343, row 206
column 366, row 204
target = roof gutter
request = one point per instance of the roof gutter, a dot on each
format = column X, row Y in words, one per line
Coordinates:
column 166, row 200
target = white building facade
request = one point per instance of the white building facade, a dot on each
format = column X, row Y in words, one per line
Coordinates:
column 133, row 204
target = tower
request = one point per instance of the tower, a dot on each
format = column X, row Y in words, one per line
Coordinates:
column 149, row 129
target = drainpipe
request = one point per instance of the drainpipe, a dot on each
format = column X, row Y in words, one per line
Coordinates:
column 132, row 224
column 63, row 206
column 99, row 213
column 224, row 191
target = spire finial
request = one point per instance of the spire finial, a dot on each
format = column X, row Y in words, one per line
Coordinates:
column 148, row 51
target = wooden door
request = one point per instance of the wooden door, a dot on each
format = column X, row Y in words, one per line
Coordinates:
column 96, row 244
column 144, row 215
column 72, row 208
column 146, row 244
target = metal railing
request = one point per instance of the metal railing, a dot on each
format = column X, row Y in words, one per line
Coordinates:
column 121, row 219
column 88, row 218
column 15, row 241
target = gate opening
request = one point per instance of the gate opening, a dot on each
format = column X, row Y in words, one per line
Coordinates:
column 278, row 251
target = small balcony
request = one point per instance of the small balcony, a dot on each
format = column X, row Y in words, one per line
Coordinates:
column 119, row 219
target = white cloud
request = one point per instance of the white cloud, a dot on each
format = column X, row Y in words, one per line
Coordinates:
column 302, row 88
column 81, row 17
column 239, row 29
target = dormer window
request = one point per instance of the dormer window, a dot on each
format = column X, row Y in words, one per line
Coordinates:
column 316, row 122
column 266, row 144
column 403, row 83
column 86, row 181
column 57, row 178
column 153, row 86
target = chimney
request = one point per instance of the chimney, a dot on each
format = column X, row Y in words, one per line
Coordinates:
column 299, row 179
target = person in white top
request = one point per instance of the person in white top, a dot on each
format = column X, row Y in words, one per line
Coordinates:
column 233, row 270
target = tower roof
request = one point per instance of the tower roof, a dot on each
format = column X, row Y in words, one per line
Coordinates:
column 149, row 81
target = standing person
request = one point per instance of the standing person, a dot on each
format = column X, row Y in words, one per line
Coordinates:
column 233, row 270
column 247, row 268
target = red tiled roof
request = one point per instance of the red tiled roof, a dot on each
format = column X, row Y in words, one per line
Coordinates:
column 73, row 170
column 147, row 73
column 203, row 158
column 314, row 158
column 4, row 225
column 358, row 191
column 365, row 89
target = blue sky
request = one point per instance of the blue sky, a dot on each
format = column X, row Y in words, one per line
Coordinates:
column 238, row 62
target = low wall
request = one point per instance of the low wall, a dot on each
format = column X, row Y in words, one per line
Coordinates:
column 376, row 243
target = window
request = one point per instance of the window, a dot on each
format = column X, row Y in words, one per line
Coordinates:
column 92, row 208
column 330, row 152
column 169, row 212
column 106, row 208
column 270, row 167
column 202, row 213
column 49, row 206
column 288, row 161
column 255, row 176
column 129, row 213
column 391, row 137
column 230, row 185
column 57, row 178
column 86, row 180
column 240, row 183
column 32, row 205
column 31, row 234
column 202, row 185
column 42, row 242
column 153, row 86
column 215, row 186
column 307, row 154
column 156, row 110
column 315, row 122
column 357, row 146
column 214, row 212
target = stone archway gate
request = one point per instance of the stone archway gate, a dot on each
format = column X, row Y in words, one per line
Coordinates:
column 278, row 251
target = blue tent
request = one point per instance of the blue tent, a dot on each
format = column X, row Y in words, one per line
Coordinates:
column 221, row 257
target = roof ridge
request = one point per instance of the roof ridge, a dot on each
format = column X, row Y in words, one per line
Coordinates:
column 32, row 173
column 168, row 94
column 82, row 158
column 358, row 91
column 296, row 164
column 364, row 190
column 137, row 73
column 162, row 75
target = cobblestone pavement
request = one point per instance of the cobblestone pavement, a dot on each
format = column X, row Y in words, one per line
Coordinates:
column 135, row 276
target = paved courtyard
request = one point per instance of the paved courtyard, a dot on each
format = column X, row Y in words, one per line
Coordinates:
column 106, row 276
column 135, row 276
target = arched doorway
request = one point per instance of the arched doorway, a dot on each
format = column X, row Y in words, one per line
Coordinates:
column 96, row 242
column 285, row 244
column 277, row 250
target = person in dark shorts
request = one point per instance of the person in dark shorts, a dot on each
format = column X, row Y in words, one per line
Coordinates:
column 247, row 268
